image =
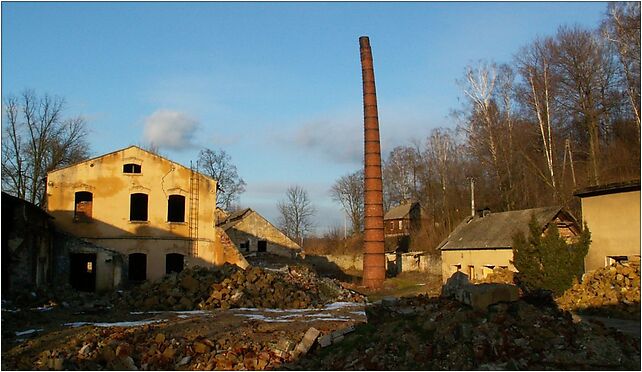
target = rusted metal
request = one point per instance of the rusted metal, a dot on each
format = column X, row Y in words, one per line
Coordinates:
column 374, row 269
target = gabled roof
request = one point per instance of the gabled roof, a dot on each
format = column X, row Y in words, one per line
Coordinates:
column 127, row 148
column 496, row 230
column 400, row 211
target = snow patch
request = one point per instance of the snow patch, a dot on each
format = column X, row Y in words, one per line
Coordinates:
column 28, row 332
column 116, row 324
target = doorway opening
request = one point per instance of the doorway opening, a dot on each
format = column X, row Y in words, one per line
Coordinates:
column 261, row 246
column 82, row 271
column 137, row 267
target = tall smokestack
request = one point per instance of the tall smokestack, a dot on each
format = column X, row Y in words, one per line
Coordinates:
column 374, row 269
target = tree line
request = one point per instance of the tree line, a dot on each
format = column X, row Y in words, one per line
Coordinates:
column 562, row 115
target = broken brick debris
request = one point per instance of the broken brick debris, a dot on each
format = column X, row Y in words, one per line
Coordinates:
column 612, row 291
column 296, row 287
column 423, row 333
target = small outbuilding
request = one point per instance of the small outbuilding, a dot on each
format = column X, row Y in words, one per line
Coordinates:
column 251, row 232
column 483, row 242
column 612, row 213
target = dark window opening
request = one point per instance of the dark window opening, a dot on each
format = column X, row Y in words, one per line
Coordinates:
column 174, row 263
column 176, row 208
column 131, row 168
column 138, row 207
column 82, row 273
column 137, row 267
column 83, row 206
column 262, row 246
column 245, row 246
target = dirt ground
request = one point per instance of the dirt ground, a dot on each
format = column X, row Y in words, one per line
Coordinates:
column 34, row 336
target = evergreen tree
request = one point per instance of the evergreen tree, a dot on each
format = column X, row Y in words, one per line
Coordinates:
column 546, row 261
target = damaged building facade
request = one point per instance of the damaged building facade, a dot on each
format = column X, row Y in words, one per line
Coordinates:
column 157, row 214
column 251, row 232
column 485, row 241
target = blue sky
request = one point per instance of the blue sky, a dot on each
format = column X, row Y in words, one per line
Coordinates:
column 276, row 85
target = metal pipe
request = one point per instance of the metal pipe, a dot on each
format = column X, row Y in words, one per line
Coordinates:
column 374, row 266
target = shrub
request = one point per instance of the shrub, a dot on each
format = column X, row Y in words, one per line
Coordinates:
column 546, row 261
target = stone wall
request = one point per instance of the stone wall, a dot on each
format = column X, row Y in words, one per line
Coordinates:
column 395, row 263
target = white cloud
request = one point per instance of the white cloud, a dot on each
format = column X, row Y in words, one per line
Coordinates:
column 169, row 129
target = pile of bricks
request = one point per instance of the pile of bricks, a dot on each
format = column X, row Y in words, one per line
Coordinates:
column 152, row 347
column 232, row 287
column 422, row 333
column 612, row 291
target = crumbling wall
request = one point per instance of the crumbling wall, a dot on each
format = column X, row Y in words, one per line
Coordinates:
column 110, row 265
column 254, row 228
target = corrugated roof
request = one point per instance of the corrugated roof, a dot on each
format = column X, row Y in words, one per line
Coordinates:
column 496, row 230
column 400, row 211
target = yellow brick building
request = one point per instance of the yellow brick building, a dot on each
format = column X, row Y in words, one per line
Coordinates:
column 158, row 214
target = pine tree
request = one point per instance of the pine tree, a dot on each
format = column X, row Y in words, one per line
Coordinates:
column 546, row 261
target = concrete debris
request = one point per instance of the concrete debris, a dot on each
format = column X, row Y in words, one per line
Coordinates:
column 306, row 343
column 443, row 334
column 612, row 291
column 296, row 287
column 335, row 337
column 478, row 296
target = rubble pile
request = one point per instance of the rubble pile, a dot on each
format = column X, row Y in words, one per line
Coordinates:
column 153, row 347
column 293, row 287
column 611, row 291
column 422, row 333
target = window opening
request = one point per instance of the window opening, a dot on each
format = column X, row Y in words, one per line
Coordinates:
column 137, row 267
column 138, row 207
column 83, row 206
column 176, row 208
column 131, row 168
column 174, row 263
column 262, row 246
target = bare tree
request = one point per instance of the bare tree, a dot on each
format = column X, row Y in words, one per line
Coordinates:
column 348, row 190
column 537, row 96
column 401, row 175
column 622, row 29
column 218, row 165
column 588, row 92
column 38, row 139
column 296, row 213
column 488, row 122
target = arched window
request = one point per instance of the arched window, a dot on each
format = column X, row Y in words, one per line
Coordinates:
column 137, row 267
column 176, row 208
column 131, row 168
column 174, row 263
column 138, row 207
column 83, row 206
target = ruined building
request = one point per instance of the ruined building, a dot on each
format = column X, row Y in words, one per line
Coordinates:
column 251, row 232
column 159, row 215
column 27, row 245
